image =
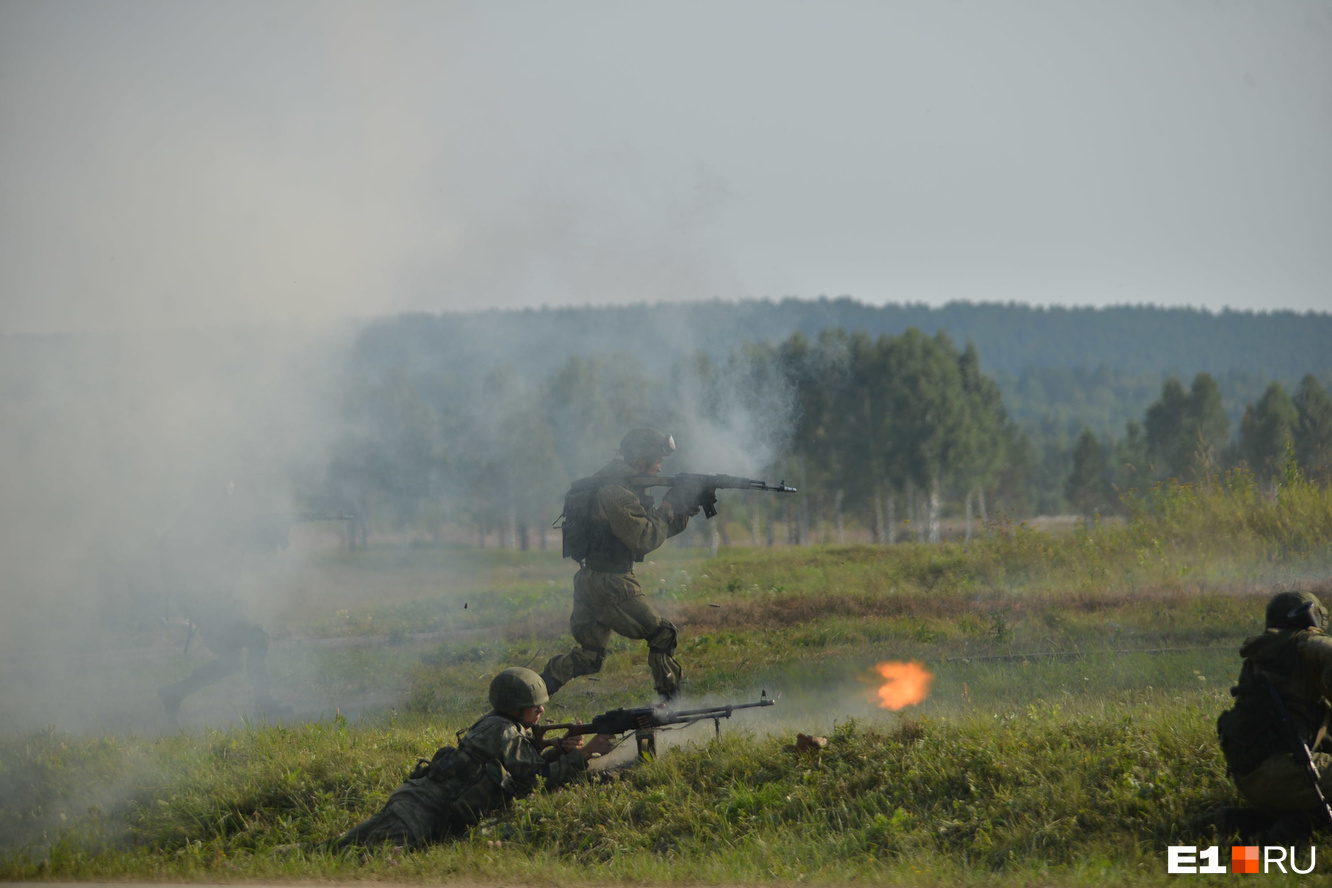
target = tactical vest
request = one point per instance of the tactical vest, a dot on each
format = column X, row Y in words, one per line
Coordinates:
column 450, row 792
column 575, row 522
column 1250, row 732
column 587, row 539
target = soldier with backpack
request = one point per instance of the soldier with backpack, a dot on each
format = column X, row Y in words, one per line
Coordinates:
column 608, row 526
column 494, row 762
column 1273, row 737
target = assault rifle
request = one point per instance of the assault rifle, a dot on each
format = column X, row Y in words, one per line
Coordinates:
column 644, row 721
column 1294, row 740
column 702, row 490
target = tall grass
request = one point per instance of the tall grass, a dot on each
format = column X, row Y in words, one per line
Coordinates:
column 1074, row 768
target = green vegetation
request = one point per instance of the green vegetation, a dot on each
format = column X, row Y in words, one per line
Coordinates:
column 1068, row 738
column 885, row 435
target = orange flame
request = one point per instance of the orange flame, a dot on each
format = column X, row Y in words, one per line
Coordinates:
column 907, row 684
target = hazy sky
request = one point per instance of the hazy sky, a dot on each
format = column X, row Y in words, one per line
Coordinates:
column 192, row 163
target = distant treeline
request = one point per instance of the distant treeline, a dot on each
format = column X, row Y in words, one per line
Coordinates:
column 1060, row 370
column 1186, row 435
column 1012, row 338
column 880, row 431
column 482, row 419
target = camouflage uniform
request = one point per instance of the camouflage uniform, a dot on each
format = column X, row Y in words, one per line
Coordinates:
column 495, row 762
column 607, row 596
column 1297, row 661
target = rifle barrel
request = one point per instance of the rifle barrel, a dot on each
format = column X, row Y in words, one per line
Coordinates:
column 720, row 711
column 716, row 482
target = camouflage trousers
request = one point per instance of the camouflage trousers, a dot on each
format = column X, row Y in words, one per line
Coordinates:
column 451, row 796
column 614, row 602
column 1280, row 784
column 416, row 814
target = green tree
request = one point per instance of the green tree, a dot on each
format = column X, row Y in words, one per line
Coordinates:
column 929, row 416
column 981, row 453
column 1187, row 433
column 1266, row 431
column 1166, row 426
column 1313, row 427
column 390, row 457
column 1088, row 485
column 590, row 402
column 1133, row 464
column 1207, row 426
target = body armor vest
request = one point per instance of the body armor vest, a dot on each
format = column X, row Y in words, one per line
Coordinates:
column 1250, row 731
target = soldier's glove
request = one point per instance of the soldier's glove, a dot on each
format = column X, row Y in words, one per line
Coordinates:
column 682, row 499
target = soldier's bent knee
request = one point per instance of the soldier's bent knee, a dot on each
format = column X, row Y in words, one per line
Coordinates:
column 664, row 640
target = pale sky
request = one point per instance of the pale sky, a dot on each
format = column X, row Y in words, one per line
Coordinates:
column 168, row 164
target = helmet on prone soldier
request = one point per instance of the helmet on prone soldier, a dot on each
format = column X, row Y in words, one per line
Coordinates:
column 517, row 688
column 646, row 443
column 1295, row 610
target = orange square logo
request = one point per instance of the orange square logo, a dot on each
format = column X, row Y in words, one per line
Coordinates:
column 1244, row 858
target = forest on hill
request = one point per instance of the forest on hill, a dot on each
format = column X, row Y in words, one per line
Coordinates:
column 1059, row 369
column 1011, row 338
column 887, row 417
column 880, row 427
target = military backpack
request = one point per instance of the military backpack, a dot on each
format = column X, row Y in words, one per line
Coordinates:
column 575, row 522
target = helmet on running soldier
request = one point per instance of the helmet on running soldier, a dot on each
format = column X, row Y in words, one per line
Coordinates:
column 646, row 443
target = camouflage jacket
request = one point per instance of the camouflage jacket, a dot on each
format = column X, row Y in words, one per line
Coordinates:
column 498, row 738
column 626, row 525
column 1299, row 665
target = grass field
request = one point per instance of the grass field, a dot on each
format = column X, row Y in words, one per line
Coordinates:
column 1068, row 737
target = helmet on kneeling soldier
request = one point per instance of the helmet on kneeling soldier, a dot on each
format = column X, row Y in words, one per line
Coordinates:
column 1295, row 610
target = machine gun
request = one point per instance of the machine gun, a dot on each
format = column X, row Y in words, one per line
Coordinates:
column 701, row 490
column 644, row 721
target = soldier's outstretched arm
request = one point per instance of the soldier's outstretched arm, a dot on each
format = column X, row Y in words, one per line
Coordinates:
column 639, row 528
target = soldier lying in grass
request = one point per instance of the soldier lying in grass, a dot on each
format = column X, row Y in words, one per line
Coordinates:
column 495, row 761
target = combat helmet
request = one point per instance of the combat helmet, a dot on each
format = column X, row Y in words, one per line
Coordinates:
column 646, row 443
column 517, row 688
column 1295, row 610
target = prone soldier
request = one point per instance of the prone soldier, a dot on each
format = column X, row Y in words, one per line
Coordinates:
column 495, row 762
